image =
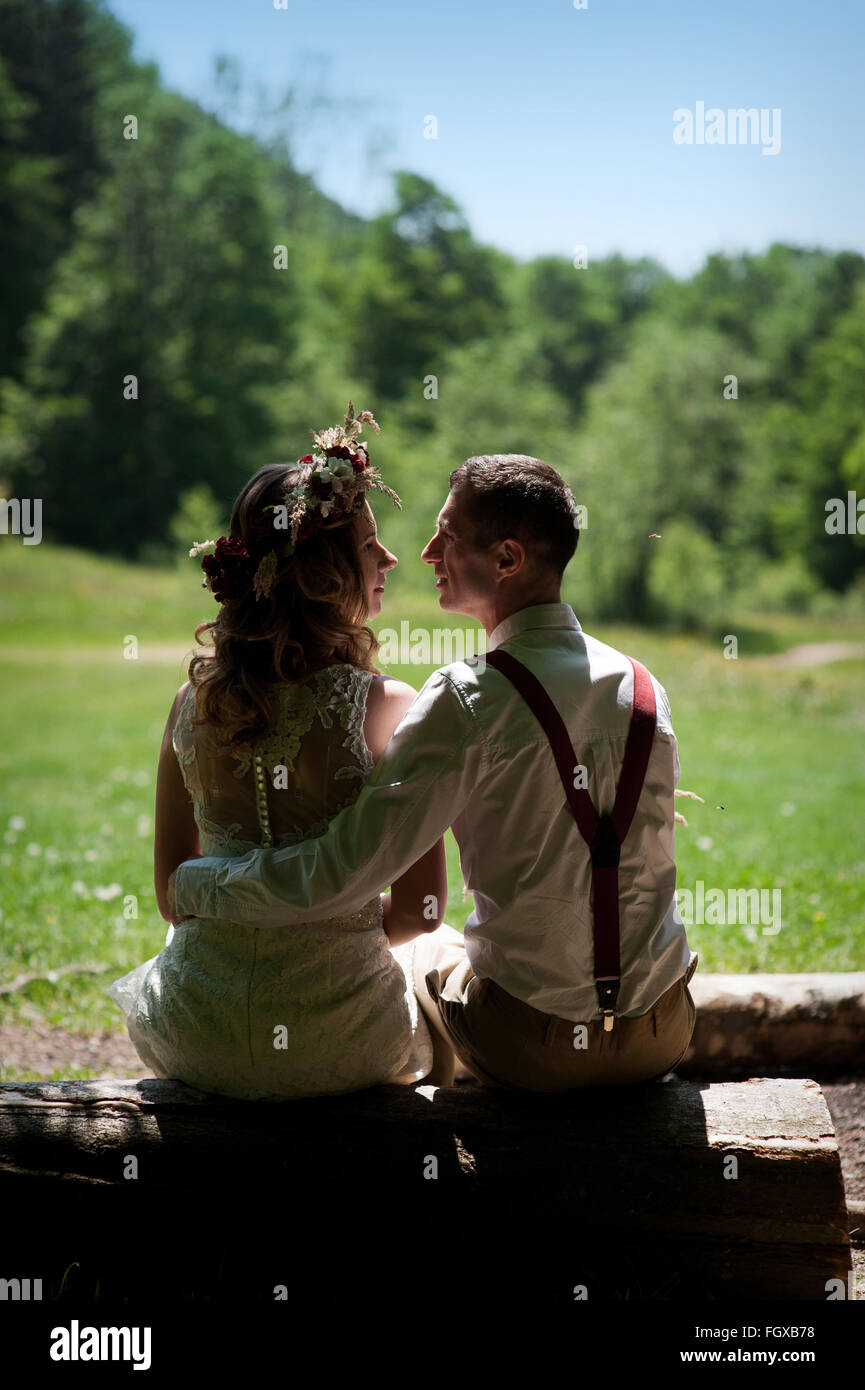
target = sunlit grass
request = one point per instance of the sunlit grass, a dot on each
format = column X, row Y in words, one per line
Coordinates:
column 779, row 748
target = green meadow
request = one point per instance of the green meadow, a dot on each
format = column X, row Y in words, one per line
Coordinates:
column 776, row 751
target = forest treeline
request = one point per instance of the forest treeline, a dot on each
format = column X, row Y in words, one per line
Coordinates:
column 156, row 348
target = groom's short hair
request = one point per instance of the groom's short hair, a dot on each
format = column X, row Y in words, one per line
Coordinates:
column 515, row 495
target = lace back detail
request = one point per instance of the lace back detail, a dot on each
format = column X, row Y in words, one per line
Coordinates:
column 261, row 802
column 288, row 785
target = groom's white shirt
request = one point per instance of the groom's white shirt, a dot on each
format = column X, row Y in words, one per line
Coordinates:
column 469, row 753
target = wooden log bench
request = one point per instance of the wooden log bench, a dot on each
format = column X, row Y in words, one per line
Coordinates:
column 776, row 1024
column 675, row 1190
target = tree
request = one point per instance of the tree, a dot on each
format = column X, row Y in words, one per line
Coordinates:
column 421, row 286
column 58, row 58
column 580, row 319
column 31, row 224
column 171, row 282
column 659, row 442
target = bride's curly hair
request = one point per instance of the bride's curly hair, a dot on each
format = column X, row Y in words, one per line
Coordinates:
column 314, row 616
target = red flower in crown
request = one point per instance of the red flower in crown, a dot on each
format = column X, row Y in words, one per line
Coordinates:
column 229, row 569
column 232, row 567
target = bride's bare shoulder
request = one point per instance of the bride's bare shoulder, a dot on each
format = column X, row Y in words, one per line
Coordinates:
column 180, row 697
column 387, row 701
column 178, row 701
column 389, row 694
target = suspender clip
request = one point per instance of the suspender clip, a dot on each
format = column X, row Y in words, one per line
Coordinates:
column 608, row 993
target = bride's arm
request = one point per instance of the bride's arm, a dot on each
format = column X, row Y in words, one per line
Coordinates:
column 175, row 834
column 416, row 901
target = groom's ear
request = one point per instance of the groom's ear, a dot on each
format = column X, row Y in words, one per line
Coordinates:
column 511, row 557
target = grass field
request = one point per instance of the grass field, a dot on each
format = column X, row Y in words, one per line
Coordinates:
column 779, row 747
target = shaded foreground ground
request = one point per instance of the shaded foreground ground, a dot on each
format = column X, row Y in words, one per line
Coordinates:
column 38, row 1052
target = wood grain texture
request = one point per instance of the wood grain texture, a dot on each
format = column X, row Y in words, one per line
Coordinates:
column 629, row 1184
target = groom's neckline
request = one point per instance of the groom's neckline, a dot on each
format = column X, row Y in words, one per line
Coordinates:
column 536, row 615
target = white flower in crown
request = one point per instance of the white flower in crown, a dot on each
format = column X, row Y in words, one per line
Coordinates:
column 337, row 473
column 345, row 479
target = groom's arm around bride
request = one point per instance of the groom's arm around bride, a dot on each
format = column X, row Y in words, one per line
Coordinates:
column 469, row 753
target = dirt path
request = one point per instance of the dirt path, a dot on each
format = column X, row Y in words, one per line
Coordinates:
column 172, row 653
column 813, row 654
column 149, row 654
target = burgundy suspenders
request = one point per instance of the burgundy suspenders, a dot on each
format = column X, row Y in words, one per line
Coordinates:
column 605, row 833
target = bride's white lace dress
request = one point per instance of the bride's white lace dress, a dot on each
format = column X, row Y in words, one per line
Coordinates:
column 277, row 1013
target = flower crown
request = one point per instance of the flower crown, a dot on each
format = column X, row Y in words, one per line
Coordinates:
column 336, row 476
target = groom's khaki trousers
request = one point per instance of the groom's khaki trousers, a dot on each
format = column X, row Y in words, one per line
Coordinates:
column 508, row 1044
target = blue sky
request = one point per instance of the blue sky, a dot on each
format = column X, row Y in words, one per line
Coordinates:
column 555, row 125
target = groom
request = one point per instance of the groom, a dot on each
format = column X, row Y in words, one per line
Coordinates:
column 517, row 1001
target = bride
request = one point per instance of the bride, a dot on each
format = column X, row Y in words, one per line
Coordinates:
column 271, row 736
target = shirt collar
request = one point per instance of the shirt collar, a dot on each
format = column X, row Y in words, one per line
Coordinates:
column 538, row 615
